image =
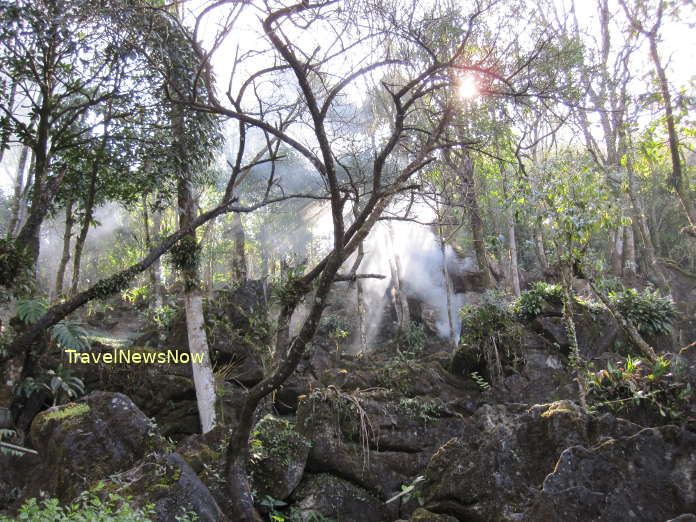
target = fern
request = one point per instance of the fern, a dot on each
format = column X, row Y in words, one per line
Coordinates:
column 31, row 310
column 482, row 383
column 70, row 336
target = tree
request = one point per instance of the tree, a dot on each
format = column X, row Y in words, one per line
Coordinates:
column 640, row 16
column 414, row 70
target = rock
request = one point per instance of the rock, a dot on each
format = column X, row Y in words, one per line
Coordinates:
column 279, row 455
column 336, row 499
column 171, row 485
column 423, row 515
column 493, row 469
column 650, row 475
column 372, row 438
column 81, row 442
column 180, row 420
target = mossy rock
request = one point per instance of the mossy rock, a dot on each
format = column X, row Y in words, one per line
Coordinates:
column 169, row 484
column 279, row 455
column 328, row 496
column 81, row 442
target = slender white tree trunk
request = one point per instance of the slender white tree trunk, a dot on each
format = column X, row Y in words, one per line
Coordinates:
column 512, row 246
column 203, row 378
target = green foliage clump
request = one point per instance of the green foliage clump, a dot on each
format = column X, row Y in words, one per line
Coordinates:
column 410, row 340
column 491, row 334
column 68, row 335
column 163, row 316
column 635, row 382
column 88, row 507
column 492, row 316
column 185, row 254
column 59, row 383
column 480, row 381
column 274, row 438
column 290, row 290
column 8, row 434
column 531, row 302
column 420, row 409
column 651, row 313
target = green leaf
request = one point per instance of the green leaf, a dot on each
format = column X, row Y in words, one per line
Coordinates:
column 31, row 310
column 70, row 336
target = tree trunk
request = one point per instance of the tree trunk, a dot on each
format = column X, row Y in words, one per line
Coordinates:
column 512, row 248
column 203, row 378
column 654, row 271
column 156, row 268
column 448, row 289
column 67, row 234
column 466, row 175
column 154, row 272
column 540, row 250
column 629, row 253
column 616, row 251
column 359, row 295
column 84, row 229
column 18, row 190
column 568, row 312
column 239, row 262
column 678, row 181
column 42, row 191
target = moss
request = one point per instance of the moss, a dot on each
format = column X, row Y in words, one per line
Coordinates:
column 420, row 409
column 400, row 376
column 274, row 437
column 560, row 407
column 69, row 410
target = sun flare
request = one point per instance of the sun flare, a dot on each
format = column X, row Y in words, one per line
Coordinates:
column 468, row 88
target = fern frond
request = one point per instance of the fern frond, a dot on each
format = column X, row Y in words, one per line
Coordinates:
column 70, row 336
column 31, row 310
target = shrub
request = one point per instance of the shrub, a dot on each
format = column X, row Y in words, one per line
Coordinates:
column 634, row 383
column 88, row 506
column 651, row 313
column 410, row 340
column 492, row 317
column 491, row 333
column 531, row 302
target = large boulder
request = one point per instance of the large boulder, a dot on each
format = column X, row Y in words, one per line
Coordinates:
column 81, row 442
column 171, row 485
column 333, row 498
column 279, row 455
column 648, row 476
column 493, row 469
column 374, row 439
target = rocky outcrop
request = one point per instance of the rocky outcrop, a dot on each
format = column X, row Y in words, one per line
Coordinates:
column 648, row 476
column 104, row 438
column 495, row 468
column 82, row 442
column 374, row 439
